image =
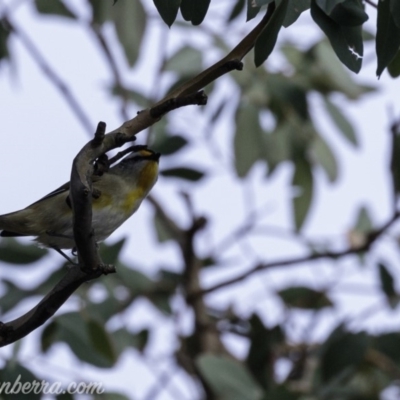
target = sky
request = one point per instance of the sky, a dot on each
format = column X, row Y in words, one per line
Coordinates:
column 41, row 135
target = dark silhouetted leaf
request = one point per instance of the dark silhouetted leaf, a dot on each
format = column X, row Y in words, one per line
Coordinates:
column 228, row 378
column 186, row 173
column 252, row 10
column 341, row 122
column 345, row 41
column 194, row 11
column 363, row 222
column 13, row 252
column 334, row 360
column 101, row 11
column 168, row 9
column 304, row 182
column 295, row 8
column 12, row 295
column 236, row 10
column 387, row 37
column 54, row 7
column 328, row 5
column 395, row 11
column 387, row 284
column 304, row 298
column 393, row 67
column 266, row 41
column 388, row 344
column 349, row 13
column 4, row 35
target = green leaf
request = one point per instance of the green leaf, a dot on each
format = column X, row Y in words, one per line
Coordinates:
column 12, row 295
column 303, row 180
column 101, row 11
column 252, row 10
column 110, row 252
column 363, row 221
column 236, row 10
column 77, row 332
column 186, row 173
column 164, row 234
column 194, row 11
column 395, row 11
column 130, row 94
column 324, row 156
column 13, row 252
column 265, row 43
column 101, row 341
column 328, row 5
column 345, row 41
column 387, row 284
column 17, row 375
column 295, row 8
column 54, row 7
column 341, row 353
column 168, row 9
column 387, row 36
column 304, row 298
column 388, row 344
column 186, row 61
column 341, row 122
column 168, row 145
column 349, row 13
column 137, row 282
column 393, row 67
column 227, row 378
column 248, row 140
column 130, row 23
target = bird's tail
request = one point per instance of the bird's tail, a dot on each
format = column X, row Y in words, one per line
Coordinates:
column 16, row 224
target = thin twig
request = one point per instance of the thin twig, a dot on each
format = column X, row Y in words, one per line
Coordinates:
column 371, row 3
column 371, row 238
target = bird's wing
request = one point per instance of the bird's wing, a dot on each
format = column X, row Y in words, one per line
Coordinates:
column 62, row 189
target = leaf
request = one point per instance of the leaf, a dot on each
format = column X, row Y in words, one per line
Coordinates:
column 395, row 161
column 11, row 296
column 388, row 344
column 328, row 5
column 110, row 252
column 252, row 10
column 349, row 13
column 194, row 11
column 77, row 332
column 4, row 35
column 186, row 173
column 236, row 10
column 17, row 375
column 186, row 61
column 13, row 252
column 363, row 222
column 303, row 180
column 295, row 8
column 227, row 378
column 265, row 43
column 101, row 11
column 387, row 285
column 387, row 36
column 248, row 141
column 130, row 23
column 101, row 341
column 168, row 145
column 54, row 7
column 263, row 343
column 395, row 11
column 168, row 9
column 341, row 353
column 393, row 67
column 345, row 41
column 324, row 156
column 341, row 122
column 304, row 298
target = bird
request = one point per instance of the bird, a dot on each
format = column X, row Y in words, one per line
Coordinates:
column 119, row 193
